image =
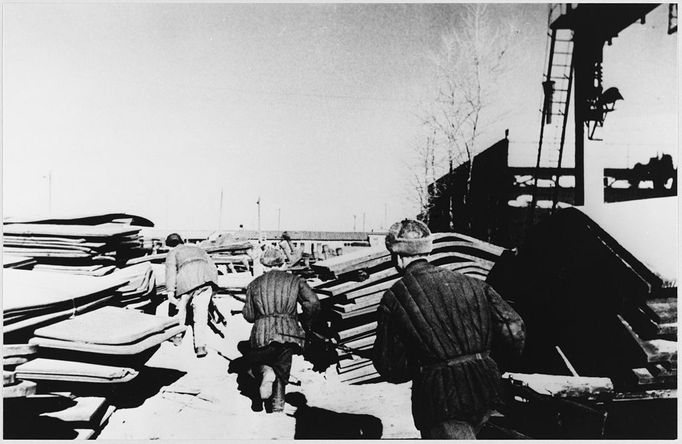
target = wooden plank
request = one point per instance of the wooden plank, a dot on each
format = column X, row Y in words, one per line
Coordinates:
column 560, row 386
column 86, row 412
column 20, row 390
column 158, row 257
column 645, row 395
column 454, row 256
column 348, row 333
column 466, row 248
column 77, row 231
column 359, row 312
column 43, row 369
column 11, row 350
column 662, row 311
column 71, row 240
column 82, row 246
column 380, row 287
column 362, row 342
column 372, row 299
column 354, row 285
column 112, row 349
column 28, row 288
column 92, row 433
column 8, row 378
column 359, row 375
column 104, row 326
column 14, row 361
column 347, row 261
column 440, row 238
column 51, row 253
column 14, row 261
column 642, row 376
column 366, row 265
column 654, row 350
column 353, row 365
column 36, row 321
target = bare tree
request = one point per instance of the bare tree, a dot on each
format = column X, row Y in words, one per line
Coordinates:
column 424, row 176
column 470, row 62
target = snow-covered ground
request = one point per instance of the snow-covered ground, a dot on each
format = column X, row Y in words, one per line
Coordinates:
column 201, row 400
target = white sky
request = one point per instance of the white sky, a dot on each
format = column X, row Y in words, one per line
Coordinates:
column 154, row 108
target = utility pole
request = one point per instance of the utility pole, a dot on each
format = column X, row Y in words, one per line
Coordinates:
column 279, row 218
column 363, row 221
column 385, row 216
column 354, row 218
column 259, row 232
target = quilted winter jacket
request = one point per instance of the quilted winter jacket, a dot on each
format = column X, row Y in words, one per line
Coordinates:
column 271, row 305
column 189, row 267
column 432, row 324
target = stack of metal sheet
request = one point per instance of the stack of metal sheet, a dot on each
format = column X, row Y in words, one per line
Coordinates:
column 35, row 298
column 73, row 244
column 140, row 292
column 110, row 335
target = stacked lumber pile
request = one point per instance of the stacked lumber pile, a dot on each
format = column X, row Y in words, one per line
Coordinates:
column 140, row 291
column 107, row 336
column 12, row 356
column 35, row 298
column 72, row 364
column 73, row 245
column 359, row 280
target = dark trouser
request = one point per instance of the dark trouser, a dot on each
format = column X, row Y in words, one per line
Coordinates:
column 453, row 429
column 277, row 356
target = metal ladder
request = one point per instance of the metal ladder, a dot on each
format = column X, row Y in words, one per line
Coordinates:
column 557, row 85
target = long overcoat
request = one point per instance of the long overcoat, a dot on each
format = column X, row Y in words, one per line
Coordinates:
column 437, row 327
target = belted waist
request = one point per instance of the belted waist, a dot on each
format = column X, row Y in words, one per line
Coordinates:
column 279, row 315
column 454, row 361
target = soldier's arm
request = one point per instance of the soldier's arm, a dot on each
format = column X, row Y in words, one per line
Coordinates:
column 508, row 327
column 310, row 303
column 171, row 272
column 249, row 312
column 389, row 355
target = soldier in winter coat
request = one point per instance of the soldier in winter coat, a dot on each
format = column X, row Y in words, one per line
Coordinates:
column 192, row 277
column 437, row 328
column 276, row 334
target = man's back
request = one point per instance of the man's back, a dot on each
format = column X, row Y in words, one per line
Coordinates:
column 450, row 311
column 437, row 327
column 189, row 267
column 274, row 292
column 271, row 304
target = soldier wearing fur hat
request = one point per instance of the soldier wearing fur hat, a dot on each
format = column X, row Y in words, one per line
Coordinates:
column 278, row 332
column 292, row 255
column 192, row 277
column 437, row 327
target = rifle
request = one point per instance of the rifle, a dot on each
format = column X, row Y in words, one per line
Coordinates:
column 343, row 348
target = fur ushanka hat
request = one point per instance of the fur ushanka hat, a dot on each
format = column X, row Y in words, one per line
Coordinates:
column 272, row 257
column 409, row 238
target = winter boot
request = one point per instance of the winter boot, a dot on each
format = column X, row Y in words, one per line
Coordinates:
column 269, row 378
column 278, row 396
